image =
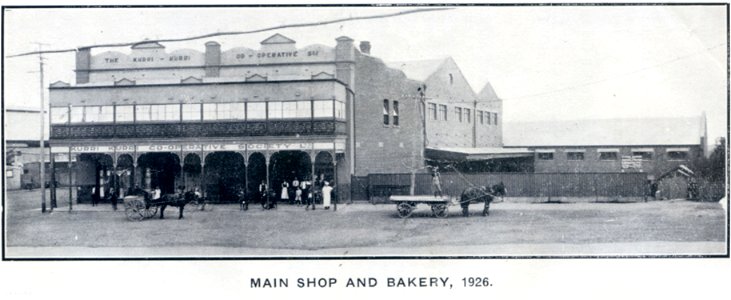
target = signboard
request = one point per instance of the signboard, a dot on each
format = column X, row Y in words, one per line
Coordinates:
column 631, row 162
column 210, row 147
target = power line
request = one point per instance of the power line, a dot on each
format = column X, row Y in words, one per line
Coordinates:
column 229, row 33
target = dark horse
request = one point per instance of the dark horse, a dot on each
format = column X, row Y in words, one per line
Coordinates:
column 177, row 200
column 480, row 194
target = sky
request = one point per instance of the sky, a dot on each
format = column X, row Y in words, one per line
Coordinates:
column 545, row 62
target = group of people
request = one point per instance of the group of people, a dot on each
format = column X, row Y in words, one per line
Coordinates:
column 298, row 193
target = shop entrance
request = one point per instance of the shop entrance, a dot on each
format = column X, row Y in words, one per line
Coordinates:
column 285, row 166
column 159, row 170
column 224, row 176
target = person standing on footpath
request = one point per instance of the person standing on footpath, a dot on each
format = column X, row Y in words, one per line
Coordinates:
column 284, row 195
column 326, row 195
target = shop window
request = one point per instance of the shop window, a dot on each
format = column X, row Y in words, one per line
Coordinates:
column 323, row 108
column 192, row 112
column 125, row 113
column 59, row 115
column 608, row 155
column 545, row 155
column 575, row 155
column 395, row 113
column 255, row 110
column 442, row 112
column 385, row 111
column 644, row 155
column 458, row 114
column 77, row 114
column 432, row 111
column 677, row 155
column 468, row 115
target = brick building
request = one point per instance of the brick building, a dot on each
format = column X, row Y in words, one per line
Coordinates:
column 229, row 119
column 652, row 146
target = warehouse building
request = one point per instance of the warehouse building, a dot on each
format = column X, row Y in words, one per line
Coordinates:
column 652, row 146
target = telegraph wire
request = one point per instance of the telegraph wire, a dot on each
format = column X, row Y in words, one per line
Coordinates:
column 229, row 33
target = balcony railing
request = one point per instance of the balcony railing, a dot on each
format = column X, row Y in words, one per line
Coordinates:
column 202, row 129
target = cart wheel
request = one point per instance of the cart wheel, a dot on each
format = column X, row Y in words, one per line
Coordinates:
column 404, row 209
column 134, row 210
column 150, row 212
column 440, row 210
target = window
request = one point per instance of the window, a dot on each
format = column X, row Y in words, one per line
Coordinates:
column 304, row 109
column 289, row 110
column 458, row 114
column 166, row 112
column 608, row 155
column 77, row 114
column 575, row 155
column 125, row 113
column 395, row 113
column 142, row 112
column 432, row 111
column 275, row 110
column 106, row 114
column 385, row 111
column 323, row 108
column 545, row 155
column 468, row 115
column 677, row 155
column 59, row 115
column 339, row 110
column 489, row 119
column 644, row 155
column 192, row 112
column 256, row 110
column 451, row 79
column 442, row 112
column 495, row 119
column 480, row 117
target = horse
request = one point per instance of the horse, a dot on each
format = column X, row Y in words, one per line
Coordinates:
column 177, row 200
column 480, row 194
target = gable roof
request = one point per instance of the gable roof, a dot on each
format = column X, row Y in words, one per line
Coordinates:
column 418, row 70
column 487, row 93
column 605, row 132
column 148, row 45
column 277, row 39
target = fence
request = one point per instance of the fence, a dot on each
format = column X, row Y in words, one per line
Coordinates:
column 517, row 184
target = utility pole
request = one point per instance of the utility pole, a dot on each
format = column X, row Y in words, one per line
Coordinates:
column 42, row 155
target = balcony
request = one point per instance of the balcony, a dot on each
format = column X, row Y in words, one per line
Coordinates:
column 200, row 129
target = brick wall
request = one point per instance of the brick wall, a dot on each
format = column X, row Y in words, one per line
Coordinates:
column 383, row 148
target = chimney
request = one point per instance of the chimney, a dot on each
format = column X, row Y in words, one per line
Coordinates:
column 83, row 64
column 365, row 47
column 345, row 60
column 213, row 59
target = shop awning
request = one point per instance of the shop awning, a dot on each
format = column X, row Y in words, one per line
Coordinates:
column 475, row 154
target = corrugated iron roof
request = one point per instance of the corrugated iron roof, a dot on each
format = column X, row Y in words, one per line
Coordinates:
column 605, row 132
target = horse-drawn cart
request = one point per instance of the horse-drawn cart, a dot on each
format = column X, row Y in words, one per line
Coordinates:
column 141, row 206
column 406, row 204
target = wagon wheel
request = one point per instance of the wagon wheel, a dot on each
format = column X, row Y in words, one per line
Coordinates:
column 440, row 210
column 150, row 212
column 404, row 209
column 135, row 210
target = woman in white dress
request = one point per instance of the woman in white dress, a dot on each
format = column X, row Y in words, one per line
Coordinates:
column 285, row 192
column 326, row 191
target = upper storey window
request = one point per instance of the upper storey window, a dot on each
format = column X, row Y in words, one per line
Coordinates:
column 386, row 110
column 395, row 113
column 59, row 115
column 224, row 111
column 165, row 112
